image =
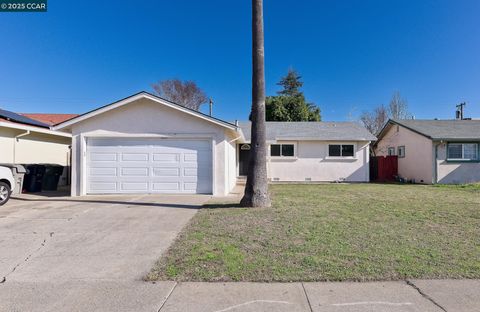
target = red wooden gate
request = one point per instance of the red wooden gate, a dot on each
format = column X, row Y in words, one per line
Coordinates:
column 383, row 168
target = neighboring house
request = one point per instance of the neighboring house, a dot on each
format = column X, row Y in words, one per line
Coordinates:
column 24, row 140
column 433, row 151
column 146, row 144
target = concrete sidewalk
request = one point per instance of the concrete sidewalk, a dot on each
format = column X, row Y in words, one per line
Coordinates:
column 103, row 295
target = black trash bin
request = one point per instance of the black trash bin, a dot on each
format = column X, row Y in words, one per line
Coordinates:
column 51, row 177
column 33, row 179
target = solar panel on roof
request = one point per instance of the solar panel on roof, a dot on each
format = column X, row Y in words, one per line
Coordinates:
column 21, row 119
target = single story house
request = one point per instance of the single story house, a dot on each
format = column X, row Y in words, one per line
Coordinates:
column 312, row 151
column 24, row 140
column 433, row 151
column 146, row 144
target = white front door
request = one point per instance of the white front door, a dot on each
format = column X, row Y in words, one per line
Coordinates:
column 133, row 165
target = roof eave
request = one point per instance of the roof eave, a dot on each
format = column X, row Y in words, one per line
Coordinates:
column 321, row 139
column 34, row 129
column 138, row 96
column 457, row 139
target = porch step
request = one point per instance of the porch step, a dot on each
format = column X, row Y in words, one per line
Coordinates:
column 242, row 180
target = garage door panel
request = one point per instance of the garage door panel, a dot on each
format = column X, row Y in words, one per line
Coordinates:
column 190, row 157
column 166, row 172
column 166, row 186
column 149, row 166
column 103, row 171
column 136, row 172
column 192, row 172
column 190, row 186
column 135, row 156
column 104, row 186
column 134, row 186
column 166, row 158
column 103, row 156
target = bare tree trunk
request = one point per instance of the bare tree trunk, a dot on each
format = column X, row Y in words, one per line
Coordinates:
column 256, row 189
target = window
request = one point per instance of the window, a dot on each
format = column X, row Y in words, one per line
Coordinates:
column 334, row 150
column 282, row 150
column 462, row 151
column 391, row 151
column 347, row 150
column 287, row 150
column 341, row 150
column 401, row 151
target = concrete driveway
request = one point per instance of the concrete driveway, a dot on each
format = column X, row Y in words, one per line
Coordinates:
column 84, row 245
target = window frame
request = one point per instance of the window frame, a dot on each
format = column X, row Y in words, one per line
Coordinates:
column 341, row 149
column 463, row 159
column 390, row 148
column 281, row 150
column 402, row 147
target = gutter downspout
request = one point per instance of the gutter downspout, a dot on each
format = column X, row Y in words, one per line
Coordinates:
column 16, row 140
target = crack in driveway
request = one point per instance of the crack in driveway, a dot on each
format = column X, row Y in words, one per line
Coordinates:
column 44, row 242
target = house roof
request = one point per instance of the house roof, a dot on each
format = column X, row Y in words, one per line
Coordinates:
column 137, row 96
column 455, row 130
column 8, row 116
column 49, row 119
column 323, row 131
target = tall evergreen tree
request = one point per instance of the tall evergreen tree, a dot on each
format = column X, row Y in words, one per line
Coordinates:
column 290, row 103
column 291, row 84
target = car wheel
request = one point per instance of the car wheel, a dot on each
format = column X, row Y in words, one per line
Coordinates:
column 4, row 193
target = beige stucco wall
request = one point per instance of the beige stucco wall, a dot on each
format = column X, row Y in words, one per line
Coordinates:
column 455, row 172
column 418, row 161
column 6, row 144
column 145, row 117
column 33, row 148
column 311, row 163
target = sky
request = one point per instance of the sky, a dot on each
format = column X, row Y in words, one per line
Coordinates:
column 352, row 54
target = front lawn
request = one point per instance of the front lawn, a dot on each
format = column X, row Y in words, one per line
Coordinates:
column 333, row 232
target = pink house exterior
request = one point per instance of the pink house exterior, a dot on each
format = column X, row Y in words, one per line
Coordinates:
column 433, row 151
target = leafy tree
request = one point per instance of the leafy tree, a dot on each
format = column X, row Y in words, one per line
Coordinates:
column 256, row 188
column 290, row 103
column 185, row 93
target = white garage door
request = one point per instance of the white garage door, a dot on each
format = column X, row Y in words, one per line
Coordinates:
column 127, row 165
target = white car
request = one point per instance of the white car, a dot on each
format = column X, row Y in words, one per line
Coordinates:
column 7, row 184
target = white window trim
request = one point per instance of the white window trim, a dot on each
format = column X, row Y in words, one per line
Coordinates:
column 342, row 157
column 283, row 157
column 463, row 152
column 404, row 151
